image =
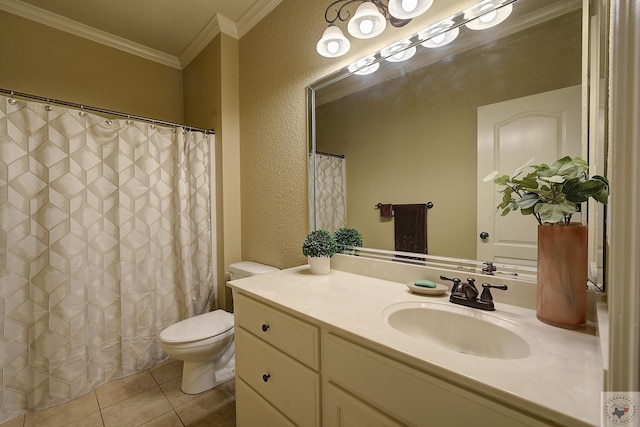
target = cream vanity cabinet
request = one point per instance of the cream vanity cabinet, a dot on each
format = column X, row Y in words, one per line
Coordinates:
column 281, row 382
column 362, row 387
column 277, row 367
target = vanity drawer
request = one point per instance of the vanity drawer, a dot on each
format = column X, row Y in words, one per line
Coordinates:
column 288, row 385
column 410, row 395
column 291, row 335
column 252, row 410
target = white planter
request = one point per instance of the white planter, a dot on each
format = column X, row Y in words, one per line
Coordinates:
column 320, row 265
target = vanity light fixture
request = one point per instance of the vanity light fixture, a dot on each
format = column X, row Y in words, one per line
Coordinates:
column 439, row 34
column 333, row 43
column 487, row 14
column 364, row 66
column 399, row 51
column 369, row 20
column 367, row 23
column 408, row 9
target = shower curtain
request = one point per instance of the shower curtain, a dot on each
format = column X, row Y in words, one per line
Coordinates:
column 105, row 239
column 330, row 192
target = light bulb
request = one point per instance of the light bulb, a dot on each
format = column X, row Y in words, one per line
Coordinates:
column 439, row 34
column 408, row 9
column 409, row 5
column 366, row 26
column 488, row 17
column 438, row 39
column 487, row 14
column 333, row 43
column 367, row 22
column 396, row 52
column 399, row 51
column 364, row 66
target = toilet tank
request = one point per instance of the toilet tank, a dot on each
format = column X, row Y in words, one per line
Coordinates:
column 242, row 269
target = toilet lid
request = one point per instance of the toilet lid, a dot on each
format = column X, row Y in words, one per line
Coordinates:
column 198, row 327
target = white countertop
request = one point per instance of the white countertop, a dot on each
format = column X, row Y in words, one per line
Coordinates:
column 561, row 379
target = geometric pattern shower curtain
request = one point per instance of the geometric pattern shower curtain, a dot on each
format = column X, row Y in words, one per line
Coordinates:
column 330, row 192
column 105, row 239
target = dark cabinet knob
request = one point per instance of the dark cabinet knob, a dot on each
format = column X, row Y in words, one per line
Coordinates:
column 484, row 235
column 265, row 327
column 265, row 377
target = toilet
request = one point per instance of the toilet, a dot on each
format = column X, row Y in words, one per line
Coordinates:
column 205, row 342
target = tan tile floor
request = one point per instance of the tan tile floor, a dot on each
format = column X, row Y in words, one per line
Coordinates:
column 150, row 398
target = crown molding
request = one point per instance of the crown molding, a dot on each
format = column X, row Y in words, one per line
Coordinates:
column 218, row 24
column 221, row 24
column 70, row 26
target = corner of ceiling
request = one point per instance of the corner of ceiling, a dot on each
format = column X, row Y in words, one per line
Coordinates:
column 59, row 22
column 217, row 25
column 221, row 24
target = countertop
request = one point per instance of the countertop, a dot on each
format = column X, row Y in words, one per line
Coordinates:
column 561, row 379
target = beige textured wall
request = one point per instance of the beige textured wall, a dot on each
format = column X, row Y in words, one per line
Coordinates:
column 413, row 139
column 211, row 86
column 277, row 61
column 43, row 61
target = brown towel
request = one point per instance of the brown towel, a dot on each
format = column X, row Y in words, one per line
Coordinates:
column 386, row 211
column 410, row 227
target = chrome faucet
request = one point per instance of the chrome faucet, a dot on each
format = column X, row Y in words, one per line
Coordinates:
column 467, row 293
column 489, row 268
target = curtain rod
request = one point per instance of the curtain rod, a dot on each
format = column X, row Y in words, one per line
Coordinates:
column 340, row 156
column 104, row 111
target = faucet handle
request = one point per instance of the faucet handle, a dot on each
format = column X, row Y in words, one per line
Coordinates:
column 454, row 280
column 486, row 291
column 456, row 289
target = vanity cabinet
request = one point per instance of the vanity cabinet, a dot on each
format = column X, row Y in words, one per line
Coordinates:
column 357, row 380
column 290, row 372
column 277, row 364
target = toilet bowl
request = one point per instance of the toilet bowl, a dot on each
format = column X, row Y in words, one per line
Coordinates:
column 205, row 342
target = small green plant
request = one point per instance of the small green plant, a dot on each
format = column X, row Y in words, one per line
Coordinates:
column 552, row 194
column 346, row 237
column 319, row 243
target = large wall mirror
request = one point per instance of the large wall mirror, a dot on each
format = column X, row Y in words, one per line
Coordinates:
column 388, row 131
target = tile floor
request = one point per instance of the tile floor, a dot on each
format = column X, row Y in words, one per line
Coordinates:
column 151, row 398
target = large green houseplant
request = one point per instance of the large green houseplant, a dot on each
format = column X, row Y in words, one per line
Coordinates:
column 319, row 246
column 553, row 194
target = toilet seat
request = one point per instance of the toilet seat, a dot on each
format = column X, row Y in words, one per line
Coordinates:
column 197, row 328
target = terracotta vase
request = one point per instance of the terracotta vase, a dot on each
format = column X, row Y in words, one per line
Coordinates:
column 562, row 275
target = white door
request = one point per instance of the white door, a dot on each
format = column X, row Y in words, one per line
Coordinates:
column 544, row 127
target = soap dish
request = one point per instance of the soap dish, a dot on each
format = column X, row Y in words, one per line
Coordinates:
column 438, row 290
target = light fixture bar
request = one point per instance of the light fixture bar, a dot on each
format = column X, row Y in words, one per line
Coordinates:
column 369, row 20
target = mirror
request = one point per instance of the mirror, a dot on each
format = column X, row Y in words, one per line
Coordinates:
column 410, row 132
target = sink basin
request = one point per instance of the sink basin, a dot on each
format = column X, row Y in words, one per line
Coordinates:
column 462, row 329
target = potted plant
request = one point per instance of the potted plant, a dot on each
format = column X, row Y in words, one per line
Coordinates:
column 319, row 246
column 552, row 194
column 346, row 239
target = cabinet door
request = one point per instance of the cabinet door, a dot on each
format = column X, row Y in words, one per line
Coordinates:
column 409, row 395
column 252, row 410
column 342, row 410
